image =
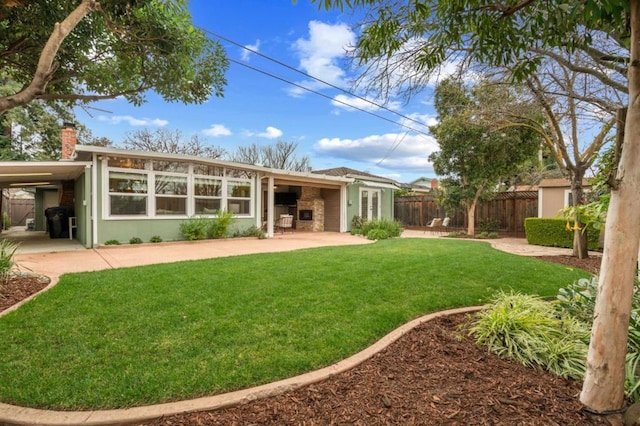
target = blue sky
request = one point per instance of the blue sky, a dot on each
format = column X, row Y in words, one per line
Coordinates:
column 260, row 109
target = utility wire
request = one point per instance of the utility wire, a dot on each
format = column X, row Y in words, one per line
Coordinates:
column 325, row 96
column 255, row 52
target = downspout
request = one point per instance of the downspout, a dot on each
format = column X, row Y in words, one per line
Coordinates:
column 94, row 200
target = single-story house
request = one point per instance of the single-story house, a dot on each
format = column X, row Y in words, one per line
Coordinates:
column 554, row 195
column 116, row 194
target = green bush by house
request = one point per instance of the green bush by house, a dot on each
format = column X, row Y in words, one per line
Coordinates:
column 552, row 232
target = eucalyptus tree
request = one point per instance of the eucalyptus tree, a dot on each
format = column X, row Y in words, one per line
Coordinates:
column 87, row 50
column 414, row 40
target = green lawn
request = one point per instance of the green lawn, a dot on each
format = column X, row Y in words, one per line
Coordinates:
column 135, row 336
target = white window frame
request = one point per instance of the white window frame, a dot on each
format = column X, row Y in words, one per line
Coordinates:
column 190, row 197
column 370, row 189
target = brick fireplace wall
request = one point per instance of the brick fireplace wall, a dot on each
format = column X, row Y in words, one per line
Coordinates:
column 311, row 199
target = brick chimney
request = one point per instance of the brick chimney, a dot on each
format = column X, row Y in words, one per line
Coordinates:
column 434, row 184
column 69, row 140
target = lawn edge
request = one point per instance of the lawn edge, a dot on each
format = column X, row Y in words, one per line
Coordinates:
column 16, row 415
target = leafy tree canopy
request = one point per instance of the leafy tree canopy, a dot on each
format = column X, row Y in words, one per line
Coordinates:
column 475, row 155
column 89, row 50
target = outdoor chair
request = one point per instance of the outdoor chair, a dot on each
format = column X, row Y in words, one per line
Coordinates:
column 438, row 226
column 285, row 222
column 435, row 223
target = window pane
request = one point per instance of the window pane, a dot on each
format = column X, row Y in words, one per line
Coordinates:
column 203, row 169
column 125, row 205
column 127, row 163
column 207, row 187
column 374, row 205
column 171, row 206
column 239, row 206
column 239, row 189
column 127, row 182
column 171, row 185
column 236, row 173
column 170, row 166
column 364, row 205
column 207, row 205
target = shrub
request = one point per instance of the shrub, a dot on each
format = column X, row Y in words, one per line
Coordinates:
column 456, row 234
column 194, row 228
column 7, row 251
column 579, row 300
column 482, row 235
column 494, row 235
column 252, row 231
column 488, row 226
column 156, row 239
column 6, row 221
column 356, row 222
column 378, row 234
column 135, row 240
column 553, row 232
column 219, row 226
column 112, row 243
column 391, row 227
column 529, row 330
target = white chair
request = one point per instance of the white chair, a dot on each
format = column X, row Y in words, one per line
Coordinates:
column 284, row 222
column 435, row 223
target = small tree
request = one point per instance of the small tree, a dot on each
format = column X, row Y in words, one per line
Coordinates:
column 473, row 157
column 171, row 142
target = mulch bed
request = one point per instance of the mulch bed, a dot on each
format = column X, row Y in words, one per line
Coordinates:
column 434, row 375
column 19, row 287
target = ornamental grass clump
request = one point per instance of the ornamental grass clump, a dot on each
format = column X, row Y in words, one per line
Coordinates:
column 219, row 227
column 7, row 251
column 530, row 331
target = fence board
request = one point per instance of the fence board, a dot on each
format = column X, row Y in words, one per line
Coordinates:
column 509, row 209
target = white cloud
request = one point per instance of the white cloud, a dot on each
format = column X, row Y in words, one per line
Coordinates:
column 246, row 54
column 133, row 121
column 269, row 133
column 216, row 130
column 321, row 52
column 411, row 153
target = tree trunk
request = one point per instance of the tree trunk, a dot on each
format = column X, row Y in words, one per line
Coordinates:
column 603, row 387
column 580, row 249
column 471, row 214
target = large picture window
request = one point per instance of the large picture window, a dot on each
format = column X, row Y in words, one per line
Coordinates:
column 171, row 195
column 207, row 195
column 127, row 193
column 239, row 197
column 156, row 188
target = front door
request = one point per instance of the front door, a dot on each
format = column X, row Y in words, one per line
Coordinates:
column 369, row 203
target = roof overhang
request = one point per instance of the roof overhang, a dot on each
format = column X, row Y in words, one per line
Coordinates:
column 373, row 184
column 20, row 174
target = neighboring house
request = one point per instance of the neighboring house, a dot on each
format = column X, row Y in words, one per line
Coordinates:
column 368, row 196
column 117, row 194
column 554, row 195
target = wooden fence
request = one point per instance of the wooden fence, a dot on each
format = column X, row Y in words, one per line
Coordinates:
column 508, row 209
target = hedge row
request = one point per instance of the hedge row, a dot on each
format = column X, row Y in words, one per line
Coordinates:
column 553, row 233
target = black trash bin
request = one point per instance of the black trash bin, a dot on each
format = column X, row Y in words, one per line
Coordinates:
column 58, row 221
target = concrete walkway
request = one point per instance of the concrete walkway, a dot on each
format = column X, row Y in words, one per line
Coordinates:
column 54, row 264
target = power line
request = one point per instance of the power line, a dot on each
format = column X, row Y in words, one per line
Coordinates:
column 314, row 78
column 325, row 96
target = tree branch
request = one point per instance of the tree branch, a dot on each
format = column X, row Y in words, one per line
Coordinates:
column 46, row 67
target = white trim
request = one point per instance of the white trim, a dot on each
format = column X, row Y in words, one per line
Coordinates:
column 270, row 204
column 369, row 198
column 376, row 184
column 540, row 204
column 94, row 200
column 567, row 194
